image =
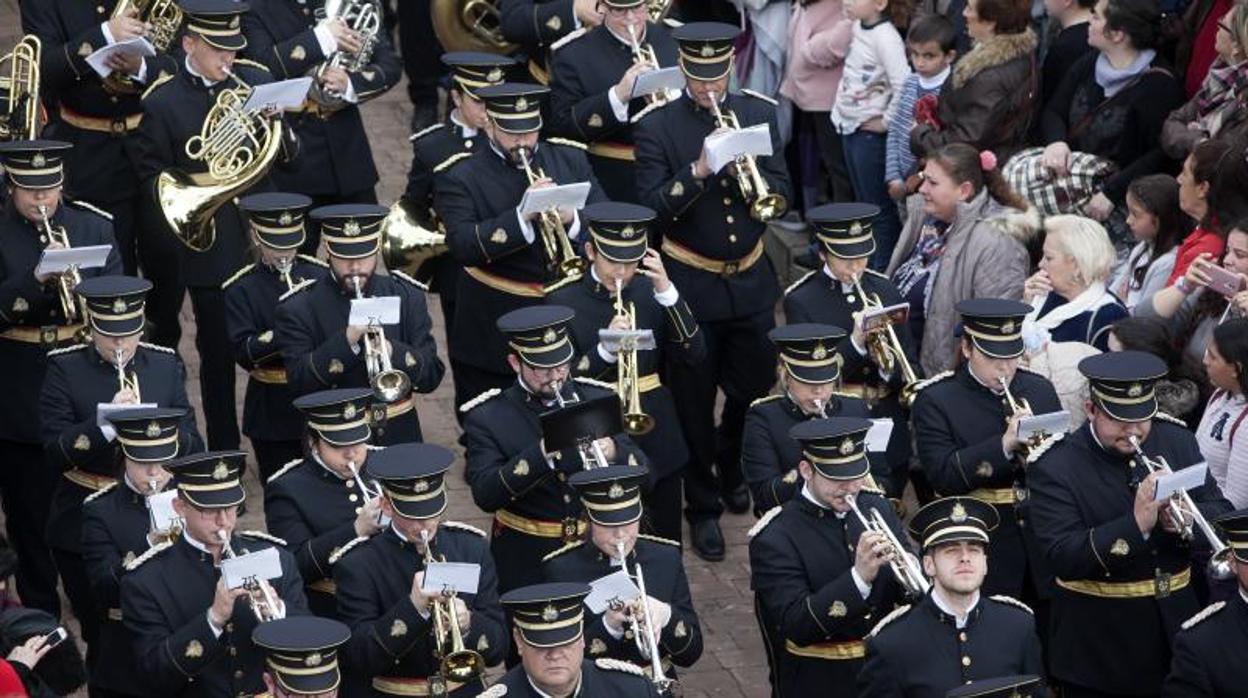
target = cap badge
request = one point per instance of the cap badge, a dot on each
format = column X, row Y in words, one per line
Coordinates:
column 820, row 352
column 221, row 472
column 847, row 446
column 1135, row 390
column 234, row 22
column 628, row 232
column 38, row 160
column 420, row 486
column 616, row 491
column 550, row 336
column 855, row 229
column 1007, row 327
column 153, row 430
column 119, row 305
column 958, row 514
column 494, row 75
column 285, row 218
column 521, row 103
column 312, row 659
column 708, row 51
column 550, row 614
column 348, row 412
column 351, row 228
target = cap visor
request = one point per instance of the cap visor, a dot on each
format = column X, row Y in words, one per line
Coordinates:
column 853, row 250
column 969, row 533
column 522, row 125
column 1000, row 348
column 616, row 517
column 354, row 250
column 214, row 499
column 232, row 42
column 622, row 254
column 151, row 454
column 706, row 71
column 346, row 437
column 281, row 241
column 552, row 638
column 118, row 328
column 844, row 471
column 309, row 684
column 1138, row 412
column 549, row 359
column 426, row 509
column 815, row 375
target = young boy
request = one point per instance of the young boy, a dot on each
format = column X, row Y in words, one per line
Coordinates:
column 931, row 45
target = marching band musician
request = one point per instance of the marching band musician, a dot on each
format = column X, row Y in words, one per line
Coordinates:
column 335, row 161
column 1124, row 577
column 809, row 371
column 440, row 147
column 821, row 580
column 613, row 504
column 509, row 259
column 537, row 24
column 966, row 434
column 175, row 110
column 713, row 249
column 511, row 473
column 316, row 503
column 78, row 381
column 829, row 295
column 548, row 630
column 394, row 648
column 270, row 422
column 321, row 350
column 623, row 265
column 593, row 74
column 192, row 635
column 954, row 635
column 1210, row 647
column 301, row 656
column 32, row 322
column 117, row 527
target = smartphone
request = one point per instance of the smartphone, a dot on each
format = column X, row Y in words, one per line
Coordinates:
column 1225, row 282
column 55, row 638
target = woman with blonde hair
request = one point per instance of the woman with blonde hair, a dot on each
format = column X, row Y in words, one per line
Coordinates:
column 1069, row 298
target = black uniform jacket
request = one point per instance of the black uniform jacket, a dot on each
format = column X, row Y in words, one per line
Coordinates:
column 1082, row 513
column 709, row 217
column 165, row 597
column 921, row 653
column 477, row 201
column 660, row 563
column 334, row 155
column 1209, row 652
column 678, row 344
column 389, row 637
column 535, row 25
column 251, row 297
column 598, row 678
column 30, row 312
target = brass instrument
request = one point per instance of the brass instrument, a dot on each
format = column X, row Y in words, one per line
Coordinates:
column 259, row 597
column 591, row 453
column 1016, row 407
column 886, row 350
column 765, row 204
column 656, row 10
column 238, row 146
column 22, row 119
column 644, row 634
column 645, row 54
column 822, row 408
column 364, row 17
column 164, row 17
column 389, row 384
column 628, row 379
column 554, row 236
column 160, row 535
column 405, row 244
column 905, row 567
column 126, row 382
column 69, row 279
column 457, row 663
column 1180, row 509
column 365, row 490
column 470, row 25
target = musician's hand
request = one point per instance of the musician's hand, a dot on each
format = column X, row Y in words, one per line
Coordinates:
column 335, row 80
column 125, row 397
column 223, row 603
column 124, row 64
column 652, row 265
column 567, row 215
column 858, row 335
column 1037, row 284
column 607, row 445
column 347, row 39
column 618, row 322
column 870, row 555
column 660, row 613
column 366, row 521
column 43, row 278
column 463, row 616
column 587, row 11
column 702, row 167
column 127, row 26
column 1145, row 509
column 420, row 599
column 624, row 88
column 543, row 183
column 30, row 652
column 355, row 333
column 1056, row 158
column 616, row 618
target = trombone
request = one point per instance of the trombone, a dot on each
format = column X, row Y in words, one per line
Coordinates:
column 126, row 382
column 764, row 203
column 885, row 349
column 457, row 663
column 1182, row 507
column 389, row 384
column 645, row 54
column 21, row 87
column 67, row 280
column 554, row 236
column 263, row 604
column 904, row 567
column 628, row 380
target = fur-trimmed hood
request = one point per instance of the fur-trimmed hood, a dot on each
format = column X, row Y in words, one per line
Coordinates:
column 999, row 50
column 1023, row 226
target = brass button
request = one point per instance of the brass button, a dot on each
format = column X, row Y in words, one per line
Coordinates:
column 732, row 238
column 468, row 144
column 962, row 637
column 567, row 499
column 99, row 9
column 238, row 674
column 730, row 220
column 229, row 627
column 233, row 651
column 349, row 484
column 966, row 661
column 727, row 201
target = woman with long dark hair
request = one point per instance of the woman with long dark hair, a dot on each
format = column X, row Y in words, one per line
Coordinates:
column 1157, row 224
column 1223, row 441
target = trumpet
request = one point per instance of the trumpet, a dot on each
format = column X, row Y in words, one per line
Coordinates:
column 67, row 280
column 628, row 380
column 164, row 17
column 389, row 384
column 1180, row 509
column 263, row 604
column 22, row 119
column 765, row 204
column 822, row 408
column 365, row 490
column 645, row 54
column 158, row 534
column 644, row 634
column 364, row 17
column 554, row 236
column 457, row 663
column 904, row 567
column 126, row 382
column 591, row 453
column 886, row 350
column 1017, row 407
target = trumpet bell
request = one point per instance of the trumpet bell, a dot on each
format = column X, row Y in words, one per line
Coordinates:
column 391, row 386
column 462, row 666
column 768, row 208
column 1220, row 567
column 406, row 245
column 638, row 423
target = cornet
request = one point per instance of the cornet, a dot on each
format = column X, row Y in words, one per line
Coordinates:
column 1180, row 509
column 904, row 567
column 644, row 633
column 259, row 597
column 389, row 384
column 1017, row 407
column 645, row 54
column 67, row 280
column 554, row 236
column 126, row 382
column 457, row 663
column 765, row 204
column 628, row 380
column 364, row 17
column 591, row 453
column 885, row 349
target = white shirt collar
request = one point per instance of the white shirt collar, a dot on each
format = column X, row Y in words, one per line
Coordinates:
column 624, row 39
column 1243, row 594
column 995, row 391
column 959, row 620
column 132, row 486
column 467, row 130
column 328, row 469
column 936, row 80
column 810, row 497
column 207, row 83
column 845, row 288
column 194, row 543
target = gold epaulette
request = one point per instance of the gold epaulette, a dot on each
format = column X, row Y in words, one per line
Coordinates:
column 882, row 275
column 160, row 80
column 765, row 399
column 66, row 350
column 1167, row 417
column 157, row 347
column 147, row 555
column 460, row 526
column 897, row 613
column 648, row 109
column 658, row 539
column 313, row 260
column 800, row 281
column 91, row 207
column 559, row 551
column 261, row 535
column 568, row 142
column 296, row 289
column 1034, row 454
column 337, row 554
column 618, row 665
column 498, row 690
column 283, row 470
column 930, row 381
column 479, row 399
column 758, row 95
column 238, row 275
column 569, row 38
column 401, row 275
column 424, row 132
column 596, row 383
column 1204, row 613
column 100, row 492
column 252, row 64
column 565, row 281
column 1011, row 601
column 450, row 161
column 762, row 522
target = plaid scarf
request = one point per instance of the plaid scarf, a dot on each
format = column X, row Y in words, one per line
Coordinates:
column 1222, row 88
